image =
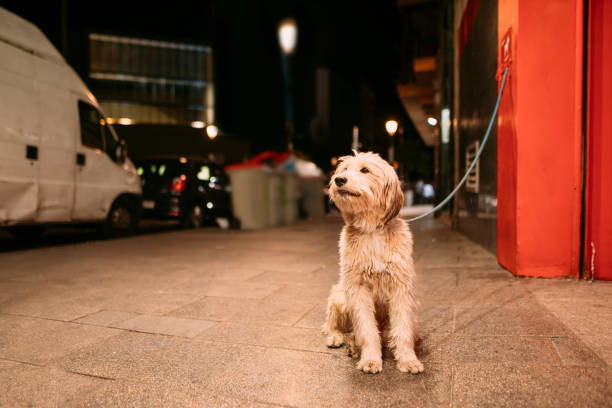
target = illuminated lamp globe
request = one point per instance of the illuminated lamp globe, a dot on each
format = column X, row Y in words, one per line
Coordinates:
column 391, row 127
column 287, row 35
column 212, row 131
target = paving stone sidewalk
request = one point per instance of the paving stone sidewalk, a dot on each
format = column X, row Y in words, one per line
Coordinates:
column 210, row 318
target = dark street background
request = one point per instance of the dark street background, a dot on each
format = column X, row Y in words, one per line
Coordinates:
column 361, row 43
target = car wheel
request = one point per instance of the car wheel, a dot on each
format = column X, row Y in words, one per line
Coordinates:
column 26, row 233
column 195, row 217
column 122, row 219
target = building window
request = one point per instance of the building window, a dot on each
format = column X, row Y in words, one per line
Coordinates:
column 151, row 82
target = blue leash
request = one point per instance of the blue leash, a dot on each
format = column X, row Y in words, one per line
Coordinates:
column 484, row 142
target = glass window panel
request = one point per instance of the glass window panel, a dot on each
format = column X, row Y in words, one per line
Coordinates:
column 91, row 134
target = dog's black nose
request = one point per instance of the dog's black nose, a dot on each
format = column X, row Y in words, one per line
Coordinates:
column 340, row 181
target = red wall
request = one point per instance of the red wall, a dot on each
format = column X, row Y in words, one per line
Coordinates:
column 539, row 139
column 599, row 131
column 507, row 143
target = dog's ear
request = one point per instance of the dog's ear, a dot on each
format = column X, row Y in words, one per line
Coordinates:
column 394, row 199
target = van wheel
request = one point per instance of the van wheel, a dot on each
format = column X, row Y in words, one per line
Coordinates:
column 26, row 233
column 194, row 218
column 122, row 219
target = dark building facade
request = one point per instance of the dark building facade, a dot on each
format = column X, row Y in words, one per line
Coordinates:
column 476, row 203
column 144, row 81
column 151, row 65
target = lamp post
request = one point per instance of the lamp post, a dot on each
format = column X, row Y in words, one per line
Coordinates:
column 287, row 39
column 391, row 127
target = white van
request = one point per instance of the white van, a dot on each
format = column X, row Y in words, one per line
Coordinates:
column 60, row 161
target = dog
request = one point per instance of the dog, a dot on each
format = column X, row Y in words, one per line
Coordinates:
column 374, row 302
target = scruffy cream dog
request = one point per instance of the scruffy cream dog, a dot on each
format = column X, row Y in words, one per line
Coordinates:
column 375, row 295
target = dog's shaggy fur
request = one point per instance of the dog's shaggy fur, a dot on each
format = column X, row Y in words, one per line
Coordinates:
column 375, row 296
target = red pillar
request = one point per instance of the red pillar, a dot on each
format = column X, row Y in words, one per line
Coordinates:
column 539, row 139
column 598, row 238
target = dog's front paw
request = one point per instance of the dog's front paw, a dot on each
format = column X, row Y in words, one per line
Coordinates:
column 370, row 366
column 413, row 366
column 335, row 340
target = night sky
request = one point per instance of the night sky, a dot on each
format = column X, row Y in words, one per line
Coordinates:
column 358, row 41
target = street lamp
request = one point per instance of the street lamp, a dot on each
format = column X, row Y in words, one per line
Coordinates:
column 212, row 131
column 391, row 127
column 287, row 39
column 287, row 35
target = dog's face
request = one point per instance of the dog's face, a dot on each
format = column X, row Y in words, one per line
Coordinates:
column 366, row 187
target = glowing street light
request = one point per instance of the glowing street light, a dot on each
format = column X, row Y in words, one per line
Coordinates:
column 287, row 39
column 432, row 121
column 212, row 131
column 287, row 35
column 125, row 121
column 391, row 127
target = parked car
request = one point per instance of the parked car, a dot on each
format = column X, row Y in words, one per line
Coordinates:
column 60, row 160
column 193, row 191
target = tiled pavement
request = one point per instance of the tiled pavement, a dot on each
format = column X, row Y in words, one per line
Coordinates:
column 223, row 319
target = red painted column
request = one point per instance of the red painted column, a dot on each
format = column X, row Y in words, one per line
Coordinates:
column 539, row 139
column 598, row 237
column 507, row 141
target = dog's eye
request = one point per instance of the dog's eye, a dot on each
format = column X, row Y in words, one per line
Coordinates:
column 364, row 170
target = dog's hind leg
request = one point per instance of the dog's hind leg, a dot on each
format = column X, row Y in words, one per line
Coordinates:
column 337, row 320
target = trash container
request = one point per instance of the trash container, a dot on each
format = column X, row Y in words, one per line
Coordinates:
column 289, row 197
column 265, row 190
column 250, row 194
column 275, row 197
column 313, row 197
